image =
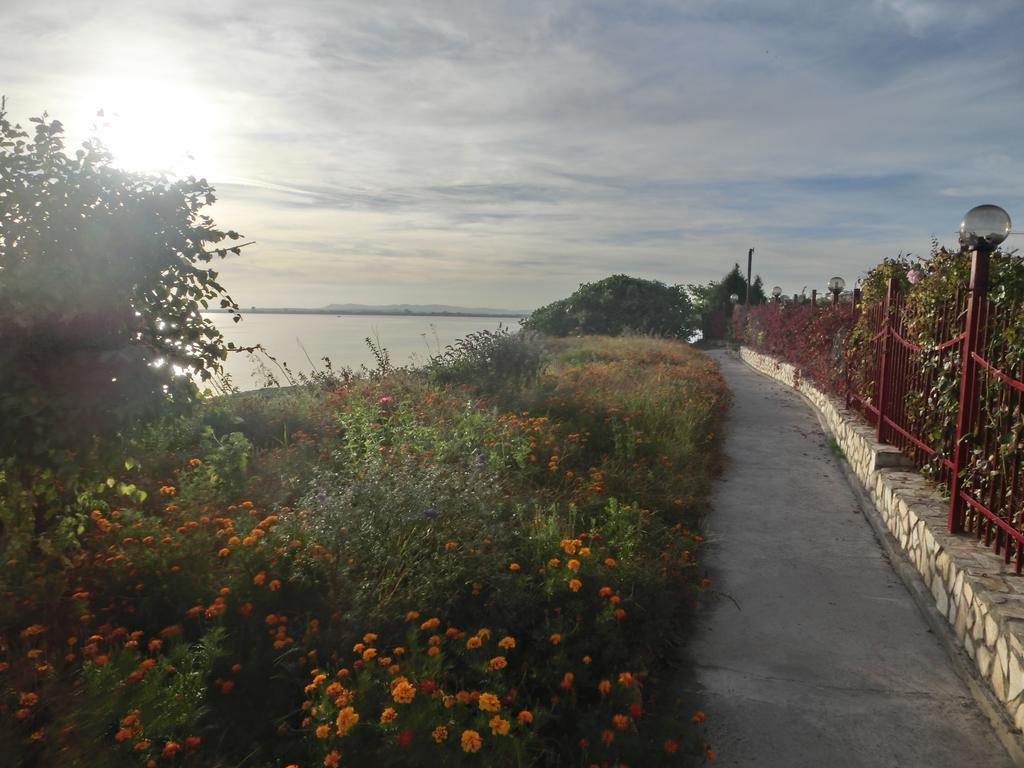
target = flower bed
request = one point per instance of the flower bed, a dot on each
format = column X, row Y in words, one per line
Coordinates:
column 388, row 573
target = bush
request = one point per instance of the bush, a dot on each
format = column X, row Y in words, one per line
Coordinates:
column 616, row 305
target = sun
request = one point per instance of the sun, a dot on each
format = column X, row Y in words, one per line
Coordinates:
column 154, row 126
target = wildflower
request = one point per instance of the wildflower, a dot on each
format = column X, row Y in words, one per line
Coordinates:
column 474, row 642
column 514, row 567
column 507, row 643
column 439, row 734
column 573, row 565
column 604, row 592
column 412, row 615
column 610, row 562
column 142, row 746
column 619, row 613
column 369, row 654
column 498, row 662
column 323, row 731
column 274, row 585
column 621, row 722
column 430, row 624
column 605, row 687
column 471, row 741
column 259, row 578
column 194, row 462
column 370, row 637
column 347, row 719
column 388, row 715
column 525, row 717
column 499, row 726
column 433, row 651
column 626, row 679
column 489, row 702
column 575, row 585
column 555, row 639
column 333, row 758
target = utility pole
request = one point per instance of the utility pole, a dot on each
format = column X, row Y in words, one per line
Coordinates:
column 750, row 261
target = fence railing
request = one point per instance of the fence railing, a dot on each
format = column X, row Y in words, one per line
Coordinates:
column 907, row 389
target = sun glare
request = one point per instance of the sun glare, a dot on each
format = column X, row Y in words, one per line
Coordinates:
column 153, row 126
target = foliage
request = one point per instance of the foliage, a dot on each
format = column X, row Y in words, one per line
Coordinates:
column 494, row 362
column 713, row 305
column 811, row 338
column 409, row 574
column 617, row 305
column 101, row 288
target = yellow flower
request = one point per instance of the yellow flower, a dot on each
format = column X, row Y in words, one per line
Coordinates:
column 347, row 719
column 439, row 734
column 507, row 643
column 499, row 726
column 389, row 714
column 471, row 741
column 489, row 702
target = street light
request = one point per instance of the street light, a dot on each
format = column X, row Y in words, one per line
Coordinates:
column 984, row 227
column 734, row 297
column 836, row 285
column 776, row 293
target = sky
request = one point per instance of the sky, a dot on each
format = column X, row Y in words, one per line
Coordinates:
column 501, row 153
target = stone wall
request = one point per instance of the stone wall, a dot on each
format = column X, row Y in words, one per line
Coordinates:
column 980, row 596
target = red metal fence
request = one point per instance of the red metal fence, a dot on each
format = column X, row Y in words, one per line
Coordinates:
column 907, row 390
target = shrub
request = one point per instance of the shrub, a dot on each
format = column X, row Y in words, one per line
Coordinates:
column 616, row 305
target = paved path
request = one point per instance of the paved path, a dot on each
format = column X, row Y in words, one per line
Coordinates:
column 824, row 659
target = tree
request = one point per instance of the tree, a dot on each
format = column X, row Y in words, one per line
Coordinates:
column 616, row 305
column 712, row 302
column 101, row 289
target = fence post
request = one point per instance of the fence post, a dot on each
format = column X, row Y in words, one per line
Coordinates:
column 883, row 367
column 976, row 297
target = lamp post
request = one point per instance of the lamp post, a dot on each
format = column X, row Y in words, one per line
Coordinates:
column 777, row 293
column 734, row 298
column 983, row 228
column 836, row 285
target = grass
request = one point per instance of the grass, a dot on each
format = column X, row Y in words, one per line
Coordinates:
column 444, row 566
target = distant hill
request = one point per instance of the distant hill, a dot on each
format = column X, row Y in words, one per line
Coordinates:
column 420, row 309
column 428, row 310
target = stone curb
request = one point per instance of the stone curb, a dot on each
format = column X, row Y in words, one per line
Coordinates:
column 980, row 597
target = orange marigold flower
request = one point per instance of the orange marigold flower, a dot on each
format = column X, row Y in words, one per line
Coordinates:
column 626, row 679
column 607, row 737
column 621, row 722
column 370, row 637
column 323, row 731
column 333, row 759
column 554, row 562
column 488, row 702
column 171, row 748
column 259, row 578
column 388, row 715
column 433, row 651
column 347, row 719
column 514, row 567
column 369, row 654
column 605, row 687
column 471, row 741
column 142, row 745
column 567, row 680
column 412, row 615
column 474, row 642
column 610, row 562
column 575, row 585
column 439, row 734
column 671, row 746
column 699, row 717
column 573, row 565
column 402, row 691
column 499, row 726
column 525, row 717
column 498, row 662
column 507, row 643
column 555, row 639
column 605, row 592
column 430, row 624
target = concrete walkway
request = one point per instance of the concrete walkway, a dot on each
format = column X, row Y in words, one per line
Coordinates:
column 824, row 659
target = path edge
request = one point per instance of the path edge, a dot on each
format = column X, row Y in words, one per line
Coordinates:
column 972, row 601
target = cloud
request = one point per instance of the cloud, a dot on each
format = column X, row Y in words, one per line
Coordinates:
column 504, row 152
